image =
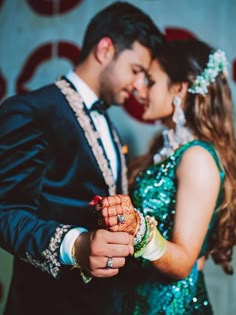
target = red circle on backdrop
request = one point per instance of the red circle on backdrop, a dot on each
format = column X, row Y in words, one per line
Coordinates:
column 1, row 3
column 49, row 7
column 43, row 53
column 234, row 70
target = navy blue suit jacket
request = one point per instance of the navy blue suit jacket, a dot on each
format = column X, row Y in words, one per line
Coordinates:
column 51, row 165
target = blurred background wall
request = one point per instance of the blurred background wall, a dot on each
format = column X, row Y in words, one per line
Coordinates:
column 41, row 39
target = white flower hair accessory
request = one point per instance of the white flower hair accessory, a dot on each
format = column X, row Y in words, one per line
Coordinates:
column 217, row 63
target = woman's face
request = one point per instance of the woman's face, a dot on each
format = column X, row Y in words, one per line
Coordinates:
column 160, row 94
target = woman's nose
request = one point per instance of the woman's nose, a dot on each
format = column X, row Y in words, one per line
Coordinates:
column 141, row 88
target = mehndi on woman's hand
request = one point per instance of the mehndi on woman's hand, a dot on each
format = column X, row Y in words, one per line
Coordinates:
column 116, row 213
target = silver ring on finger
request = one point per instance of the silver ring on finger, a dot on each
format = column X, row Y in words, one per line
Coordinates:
column 120, row 218
column 109, row 263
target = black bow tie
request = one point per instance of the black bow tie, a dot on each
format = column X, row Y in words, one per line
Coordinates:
column 99, row 106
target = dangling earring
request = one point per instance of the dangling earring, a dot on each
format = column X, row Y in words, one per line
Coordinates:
column 182, row 133
column 178, row 116
column 174, row 138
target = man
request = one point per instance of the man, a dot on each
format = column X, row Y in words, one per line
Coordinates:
column 56, row 153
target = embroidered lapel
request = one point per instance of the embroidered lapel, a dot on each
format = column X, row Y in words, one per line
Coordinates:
column 122, row 169
column 76, row 103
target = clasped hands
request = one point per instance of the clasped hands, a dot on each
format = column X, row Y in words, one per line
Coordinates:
column 102, row 253
column 116, row 213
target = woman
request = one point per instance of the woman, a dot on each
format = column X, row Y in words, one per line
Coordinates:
column 186, row 182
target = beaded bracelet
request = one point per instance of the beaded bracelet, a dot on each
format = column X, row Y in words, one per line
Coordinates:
column 76, row 265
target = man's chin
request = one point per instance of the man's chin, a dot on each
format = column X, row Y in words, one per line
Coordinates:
column 124, row 97
column 120, row 101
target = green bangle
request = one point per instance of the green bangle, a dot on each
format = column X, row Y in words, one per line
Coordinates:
column 143, row 243
column 151, row 224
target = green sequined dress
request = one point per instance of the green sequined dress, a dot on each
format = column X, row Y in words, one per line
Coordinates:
column 154, row 194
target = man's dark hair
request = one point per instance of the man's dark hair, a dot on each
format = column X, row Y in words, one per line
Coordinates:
column 124, row 24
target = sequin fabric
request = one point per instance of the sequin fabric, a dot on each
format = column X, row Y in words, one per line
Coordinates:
column 154, row 194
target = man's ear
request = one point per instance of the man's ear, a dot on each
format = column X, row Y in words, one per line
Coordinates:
column 105, row 50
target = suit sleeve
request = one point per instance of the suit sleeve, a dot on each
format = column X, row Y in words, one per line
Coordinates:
column 23, row 164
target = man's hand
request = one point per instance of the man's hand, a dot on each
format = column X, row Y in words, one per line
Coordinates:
column 92, row 250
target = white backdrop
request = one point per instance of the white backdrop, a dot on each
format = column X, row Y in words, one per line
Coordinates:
column 39, row 41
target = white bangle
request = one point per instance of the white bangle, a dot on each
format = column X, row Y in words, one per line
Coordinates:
column 156, row 248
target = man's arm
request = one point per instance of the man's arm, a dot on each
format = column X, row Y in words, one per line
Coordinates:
column 23, row 162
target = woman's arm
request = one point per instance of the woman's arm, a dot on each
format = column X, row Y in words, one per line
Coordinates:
column 198, row 187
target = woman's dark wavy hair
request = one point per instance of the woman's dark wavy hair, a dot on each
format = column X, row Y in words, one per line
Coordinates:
column 210, row 118
column 124, row 24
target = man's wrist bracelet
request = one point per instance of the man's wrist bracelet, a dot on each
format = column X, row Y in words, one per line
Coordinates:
column 76, row 265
